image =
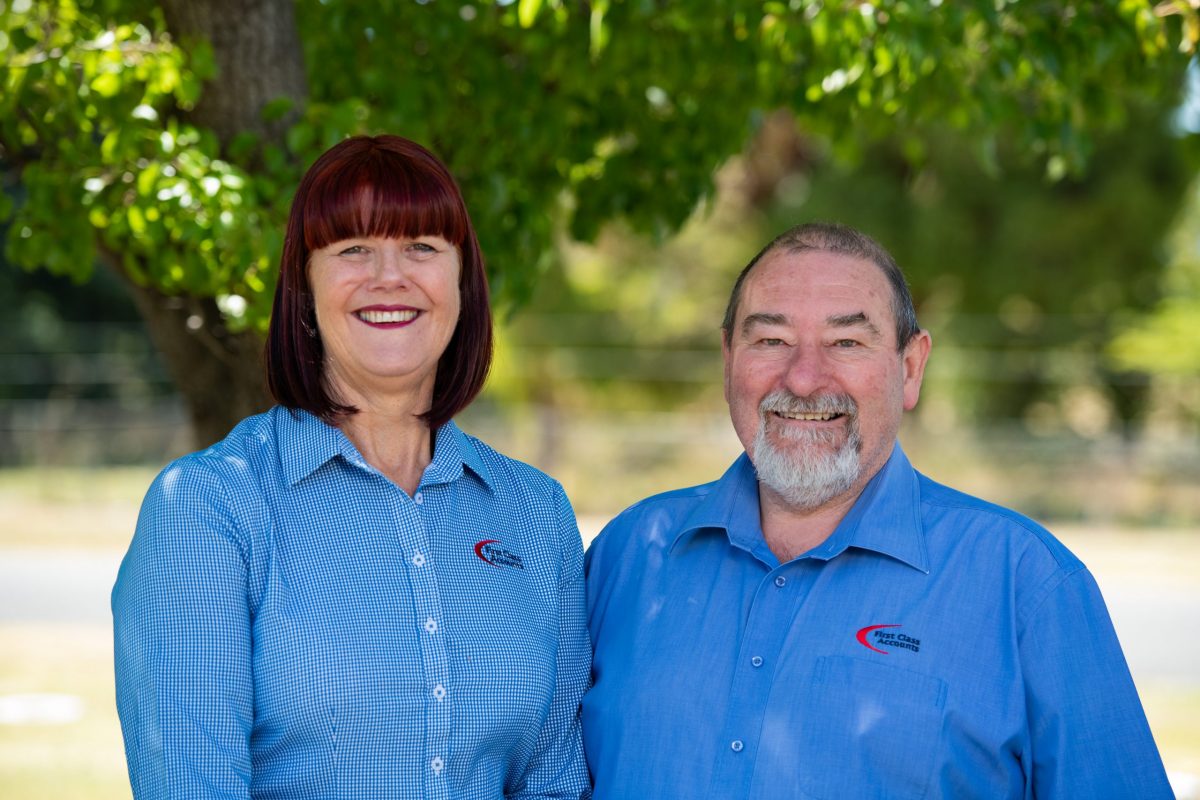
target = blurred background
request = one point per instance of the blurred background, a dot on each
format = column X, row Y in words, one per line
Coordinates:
column 1033, row 166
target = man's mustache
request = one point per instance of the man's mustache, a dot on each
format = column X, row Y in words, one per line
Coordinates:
column 781, row 401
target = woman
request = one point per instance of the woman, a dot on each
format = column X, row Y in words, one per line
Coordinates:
column 348, row 596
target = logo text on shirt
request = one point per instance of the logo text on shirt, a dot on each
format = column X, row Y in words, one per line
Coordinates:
column 491, row 551
column 885, row 638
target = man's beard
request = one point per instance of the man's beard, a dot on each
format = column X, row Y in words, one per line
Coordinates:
column 807, row 476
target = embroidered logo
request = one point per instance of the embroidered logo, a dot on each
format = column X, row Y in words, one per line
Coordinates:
column 491, row 551
column 885, row 638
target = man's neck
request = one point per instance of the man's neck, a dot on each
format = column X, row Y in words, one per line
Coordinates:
column 790, row 531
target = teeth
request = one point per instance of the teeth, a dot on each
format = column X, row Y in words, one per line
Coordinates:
column 379, row 317
column 806, row 417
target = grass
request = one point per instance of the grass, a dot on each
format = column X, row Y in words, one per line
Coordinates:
column 67, row 507
column 81, row 759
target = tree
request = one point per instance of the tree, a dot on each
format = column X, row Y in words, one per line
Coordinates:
column 1163, row 342
column 164, row 139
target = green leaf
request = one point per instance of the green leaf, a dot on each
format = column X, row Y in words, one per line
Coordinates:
column 527, row 12
column 106, row 84
column 278, row 108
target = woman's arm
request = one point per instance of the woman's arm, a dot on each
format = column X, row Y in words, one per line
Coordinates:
column 182, row 642
column 557, row 770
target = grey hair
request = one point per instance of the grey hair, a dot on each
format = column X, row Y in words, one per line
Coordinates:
column 832, row 237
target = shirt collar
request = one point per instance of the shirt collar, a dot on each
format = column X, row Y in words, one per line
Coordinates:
column 453, row 450
column 732, row 506
column 885, row 518
column 306, row 443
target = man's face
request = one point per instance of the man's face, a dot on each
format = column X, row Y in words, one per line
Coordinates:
column 815, row 385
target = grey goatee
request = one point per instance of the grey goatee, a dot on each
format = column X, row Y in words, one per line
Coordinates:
column 805, row 475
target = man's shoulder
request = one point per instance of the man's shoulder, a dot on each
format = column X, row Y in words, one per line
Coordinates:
column 654, row 521
column 672, row 501
column 965, row 515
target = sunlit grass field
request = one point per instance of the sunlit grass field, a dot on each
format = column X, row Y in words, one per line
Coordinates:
column 70, row 510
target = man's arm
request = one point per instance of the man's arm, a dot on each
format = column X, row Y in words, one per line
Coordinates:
column 183, row 644
column 1089, row 736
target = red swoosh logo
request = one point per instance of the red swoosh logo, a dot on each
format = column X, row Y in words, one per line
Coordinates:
column 479, row 552
column 862, row 637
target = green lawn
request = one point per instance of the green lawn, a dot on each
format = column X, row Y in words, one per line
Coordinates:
column 82, row 759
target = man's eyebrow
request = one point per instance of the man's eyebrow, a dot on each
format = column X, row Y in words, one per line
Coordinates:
column 762, row 318
column 858, row 319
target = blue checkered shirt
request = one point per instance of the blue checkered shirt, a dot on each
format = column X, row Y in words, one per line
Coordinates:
column 290, row 624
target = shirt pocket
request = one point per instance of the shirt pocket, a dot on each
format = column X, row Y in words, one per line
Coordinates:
column 870, row 730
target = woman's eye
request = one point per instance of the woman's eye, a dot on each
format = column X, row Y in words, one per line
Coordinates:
column 352, row 250
column 422, row 247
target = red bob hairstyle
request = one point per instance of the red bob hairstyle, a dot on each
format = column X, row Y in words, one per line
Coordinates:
column 384, row 186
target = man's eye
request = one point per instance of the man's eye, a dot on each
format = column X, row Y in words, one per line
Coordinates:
column 770, row 342
column 845, row 343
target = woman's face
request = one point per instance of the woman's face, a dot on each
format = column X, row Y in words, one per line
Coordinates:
column 386, row 310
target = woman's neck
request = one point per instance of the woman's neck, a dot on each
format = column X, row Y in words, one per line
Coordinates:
column 391, row 436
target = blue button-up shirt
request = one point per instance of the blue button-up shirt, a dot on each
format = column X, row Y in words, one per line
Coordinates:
column 290, row 624
column 934, row 646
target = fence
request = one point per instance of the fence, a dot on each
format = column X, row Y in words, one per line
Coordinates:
column 101, row 398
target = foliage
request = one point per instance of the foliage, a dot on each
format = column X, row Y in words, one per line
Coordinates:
column 554, row 115
column 1165, row 341
column 1025, row 281
column 89, row 115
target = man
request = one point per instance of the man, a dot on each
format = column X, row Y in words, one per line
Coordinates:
column 825, row 622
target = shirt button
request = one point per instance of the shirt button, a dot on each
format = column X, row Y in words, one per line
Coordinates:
column 736, row 745
column 436, row 764
column 756, row 661
column 418, row 559
column 439, row 693
column 780, row 580
column 418, row 498
column 431, row 625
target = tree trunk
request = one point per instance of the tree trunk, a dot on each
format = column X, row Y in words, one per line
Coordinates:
column 258, row 55
column 218, row 372
column 259, row 58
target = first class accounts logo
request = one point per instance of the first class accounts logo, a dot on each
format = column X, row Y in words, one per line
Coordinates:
column 886, row 638
column 491, row 551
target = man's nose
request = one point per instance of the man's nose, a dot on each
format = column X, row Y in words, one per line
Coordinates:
column 807, row 370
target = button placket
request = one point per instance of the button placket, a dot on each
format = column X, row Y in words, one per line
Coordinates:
column 752, row 678
column 428, row 614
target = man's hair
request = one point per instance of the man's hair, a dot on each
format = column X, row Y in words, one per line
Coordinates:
column 832, row 237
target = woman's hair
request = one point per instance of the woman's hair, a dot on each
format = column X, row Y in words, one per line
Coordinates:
column 385, row 186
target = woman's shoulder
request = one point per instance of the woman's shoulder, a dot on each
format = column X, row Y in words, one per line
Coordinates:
column 503, row 469
column 217, row 469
